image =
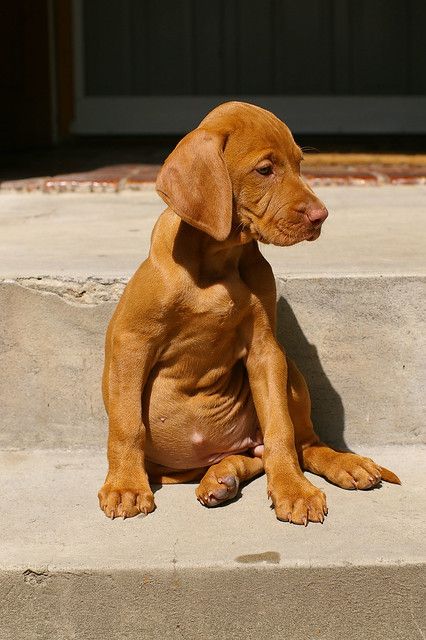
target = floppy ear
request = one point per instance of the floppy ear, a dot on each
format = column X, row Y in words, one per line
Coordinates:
column 195, row 183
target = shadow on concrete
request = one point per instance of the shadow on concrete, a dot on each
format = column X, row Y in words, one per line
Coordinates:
column 328, row 413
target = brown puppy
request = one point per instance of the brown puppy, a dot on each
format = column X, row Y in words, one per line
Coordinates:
column 195, row 384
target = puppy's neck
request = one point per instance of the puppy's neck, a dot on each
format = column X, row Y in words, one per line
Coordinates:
column 206, row 259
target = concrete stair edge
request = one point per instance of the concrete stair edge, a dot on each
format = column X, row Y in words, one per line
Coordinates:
column 359, row 342
column 67, row 572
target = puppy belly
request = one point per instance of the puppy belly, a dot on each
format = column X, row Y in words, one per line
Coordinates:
column 190, row 439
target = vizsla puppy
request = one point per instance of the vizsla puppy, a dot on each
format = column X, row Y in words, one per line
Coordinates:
column 195, row 383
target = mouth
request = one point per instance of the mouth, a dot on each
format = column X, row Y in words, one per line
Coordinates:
column 255, row 233
column 315, row 234
column 281, row 232
column 287, row 236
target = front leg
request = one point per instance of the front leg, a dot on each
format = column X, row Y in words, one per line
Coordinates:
column 294, row 498
column 126, row 491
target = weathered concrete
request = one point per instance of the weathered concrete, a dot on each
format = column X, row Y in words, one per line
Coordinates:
column 351, row 311
column 370, row 231
column 365, row 375
column 66, row 572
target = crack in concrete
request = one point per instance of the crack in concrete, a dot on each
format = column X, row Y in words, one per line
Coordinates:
column 88, row 292
column 35, row 578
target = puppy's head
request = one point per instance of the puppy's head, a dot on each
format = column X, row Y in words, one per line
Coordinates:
column 239, row 171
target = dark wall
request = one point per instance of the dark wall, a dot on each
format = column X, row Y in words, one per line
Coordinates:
column 25, row 106
column 275, row 47
column 36, row 72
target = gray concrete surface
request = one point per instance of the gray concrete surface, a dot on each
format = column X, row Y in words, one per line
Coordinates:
column 351, row 312
column 370, row 231
column 360, row 344
column 66, row 572
column 356, row 331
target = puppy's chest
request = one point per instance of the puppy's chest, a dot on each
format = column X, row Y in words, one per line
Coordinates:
column 224, row 304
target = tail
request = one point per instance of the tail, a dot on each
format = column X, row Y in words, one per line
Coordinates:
column 389, row 476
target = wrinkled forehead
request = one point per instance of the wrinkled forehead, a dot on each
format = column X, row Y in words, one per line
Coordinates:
column 250, row 132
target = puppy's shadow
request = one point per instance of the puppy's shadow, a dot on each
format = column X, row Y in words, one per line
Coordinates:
column 155, row 487
column 328, row 414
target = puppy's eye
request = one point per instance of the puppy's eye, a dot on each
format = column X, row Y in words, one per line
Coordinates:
column 264, row 170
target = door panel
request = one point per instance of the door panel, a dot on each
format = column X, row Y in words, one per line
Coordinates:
column 272, row 47
column 337, row 66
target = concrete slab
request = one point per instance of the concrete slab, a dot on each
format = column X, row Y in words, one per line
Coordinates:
column 68, row 572
column 359, row 342
column 351, row 310
column 62, row 526
column 371, row 231
column 68, row 257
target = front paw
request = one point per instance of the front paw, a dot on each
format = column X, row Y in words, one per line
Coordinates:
column 298, row 502
column 125, row 500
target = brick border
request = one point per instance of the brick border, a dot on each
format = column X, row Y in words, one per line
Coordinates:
column 117, row 178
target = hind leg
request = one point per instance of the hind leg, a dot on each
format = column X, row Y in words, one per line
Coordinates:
column 222, row 480
column 347, row 470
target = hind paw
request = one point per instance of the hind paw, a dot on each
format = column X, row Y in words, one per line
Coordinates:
column 213, row 491
column 351, row 471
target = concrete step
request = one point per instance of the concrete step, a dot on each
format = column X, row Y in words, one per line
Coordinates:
column 351, row 311
column 67, row 572
column 371, row 231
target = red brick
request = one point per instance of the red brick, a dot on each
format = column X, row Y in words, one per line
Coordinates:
column 339, row 175
column 110, row 178
column 404, row 174
column 143, row 176
column 26, row 184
